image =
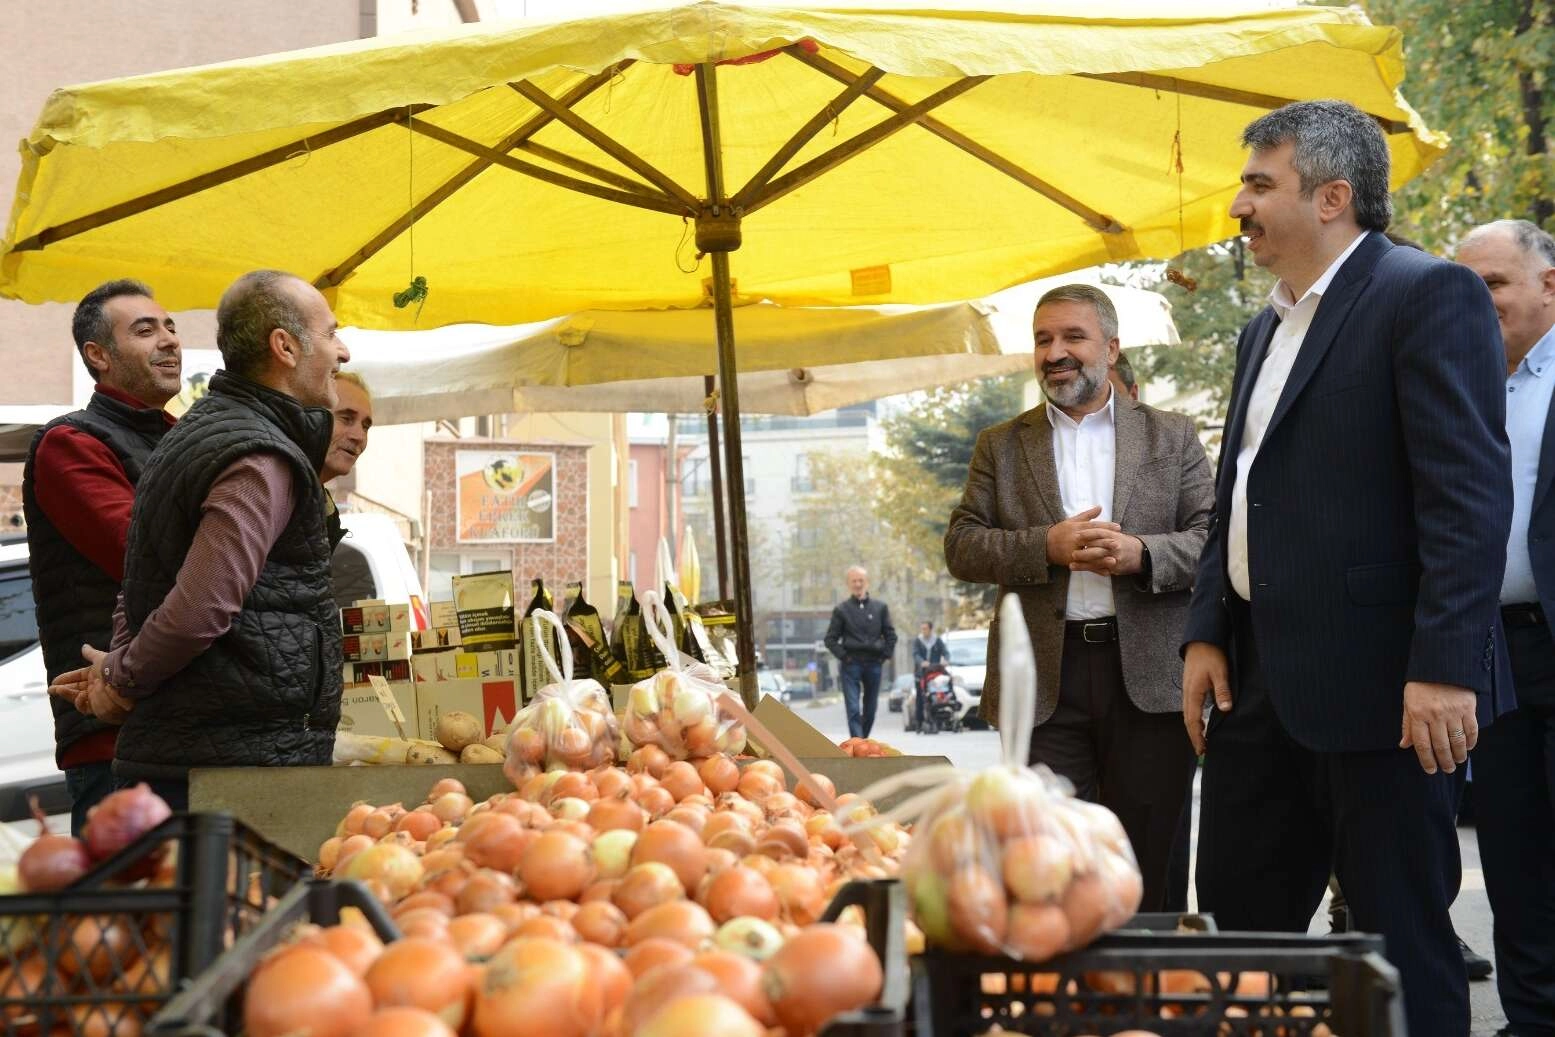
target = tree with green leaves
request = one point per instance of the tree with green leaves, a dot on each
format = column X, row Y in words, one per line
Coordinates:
column 919, row 477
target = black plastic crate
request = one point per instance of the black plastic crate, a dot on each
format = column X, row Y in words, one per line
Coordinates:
column 112, row 949
column 1340, row 981
column 211, row 1006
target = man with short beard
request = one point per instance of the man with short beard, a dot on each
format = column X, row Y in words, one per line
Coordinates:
column 1093, row 509
column 77, row 490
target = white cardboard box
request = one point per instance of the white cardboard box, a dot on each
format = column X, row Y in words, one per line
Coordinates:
column 494, row 700
column 449, row 666
column 362, row 714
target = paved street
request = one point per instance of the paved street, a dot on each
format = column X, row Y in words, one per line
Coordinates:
column 976, row 749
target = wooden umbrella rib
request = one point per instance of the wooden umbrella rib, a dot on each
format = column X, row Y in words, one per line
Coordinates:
column 861, row 142
column 851, row 92
column 578, row 165
column 1098, row 220
column 1209, row 92
column 606, row 143
column 214, row 178
column 453, row 184
column 639, row 199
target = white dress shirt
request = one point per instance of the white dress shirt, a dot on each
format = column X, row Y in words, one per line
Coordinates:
column 1085, row 454
column 1528, row 393
column 1295, row 318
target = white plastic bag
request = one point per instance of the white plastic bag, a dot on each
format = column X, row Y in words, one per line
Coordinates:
column 677, row 709
column 568, row 726
column 1007, row 861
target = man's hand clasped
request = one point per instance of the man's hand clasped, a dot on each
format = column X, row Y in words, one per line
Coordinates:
column 89, row 691
column 1083, row 544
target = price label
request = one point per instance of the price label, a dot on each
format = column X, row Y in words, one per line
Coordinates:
column 386, row 700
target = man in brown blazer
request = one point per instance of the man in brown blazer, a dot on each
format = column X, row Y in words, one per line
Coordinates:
column 1093, row 508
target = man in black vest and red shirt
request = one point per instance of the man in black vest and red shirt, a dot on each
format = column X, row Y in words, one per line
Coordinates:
column 226, row 649
column 77, row 489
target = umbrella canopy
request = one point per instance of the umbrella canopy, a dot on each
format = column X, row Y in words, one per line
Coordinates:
column 907, row 153
column 793, row 361
column 911, row 152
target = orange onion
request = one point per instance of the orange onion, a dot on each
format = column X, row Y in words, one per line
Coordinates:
column 601, row 922
column 719, row 773
column 700, row 1015
column 537, row 988
column 683, row 921
column 477, row 936
column 556, row 867
column 657, row 988
column 356, row 946
column 800, row 891
column 654, row 952
column 422, row 973
column 403, row 1022
column 609, row 973
column 740, row 891
column 607, row 814
column 305, row 992
column 821, row 972
column 675, row 845
column 739, row 979
column 646, row 885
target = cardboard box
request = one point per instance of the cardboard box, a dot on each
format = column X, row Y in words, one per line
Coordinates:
column 361, row 713
column 449, row 666
column 364, row 648
column 391, row 670
column 375, row 617
column 494, row 700
column 790, row 728
column 396, row 644
column 444, row 614
column 434, row 639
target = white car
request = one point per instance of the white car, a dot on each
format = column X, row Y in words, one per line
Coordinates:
column 27, row 750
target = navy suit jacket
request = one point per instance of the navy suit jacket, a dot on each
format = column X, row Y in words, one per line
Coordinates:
column 1541, row 522
column 1378, row 505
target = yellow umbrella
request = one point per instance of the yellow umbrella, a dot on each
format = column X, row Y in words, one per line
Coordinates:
column 901, row 152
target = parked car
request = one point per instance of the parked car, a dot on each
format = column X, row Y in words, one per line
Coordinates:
column 27, row 750
column 371, row 564
column 772, row 682
column 969, row 664
column 901, row 688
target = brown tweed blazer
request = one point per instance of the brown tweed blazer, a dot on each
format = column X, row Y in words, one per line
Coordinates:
column 1163, row 493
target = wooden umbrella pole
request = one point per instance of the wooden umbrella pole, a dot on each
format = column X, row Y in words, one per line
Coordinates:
column 718, row 234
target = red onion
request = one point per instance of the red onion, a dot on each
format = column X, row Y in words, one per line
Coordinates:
column 52, row 861
column 121, row 818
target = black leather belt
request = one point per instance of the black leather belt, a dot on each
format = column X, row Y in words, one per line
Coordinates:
column 1530, row 615
column 1092, row 631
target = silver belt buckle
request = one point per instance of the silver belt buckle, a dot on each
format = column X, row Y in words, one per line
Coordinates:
column 1085, row 634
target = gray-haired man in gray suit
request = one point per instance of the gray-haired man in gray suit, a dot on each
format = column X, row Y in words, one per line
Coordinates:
column 1093, row 508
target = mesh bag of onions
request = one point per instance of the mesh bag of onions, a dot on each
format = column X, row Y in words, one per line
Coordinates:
column 568, row 726
column 677, row 709
column 1007, row 861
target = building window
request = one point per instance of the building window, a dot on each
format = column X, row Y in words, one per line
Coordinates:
column 631, row 567
column 631, row 484
column 802, row 482
column 806, row 536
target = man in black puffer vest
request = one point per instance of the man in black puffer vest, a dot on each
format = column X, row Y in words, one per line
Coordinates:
column 77, row 490
column 227, row 648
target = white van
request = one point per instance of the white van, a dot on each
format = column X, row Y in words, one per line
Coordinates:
column 371, row 562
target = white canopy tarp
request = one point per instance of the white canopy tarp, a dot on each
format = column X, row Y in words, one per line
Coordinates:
column 793, row 361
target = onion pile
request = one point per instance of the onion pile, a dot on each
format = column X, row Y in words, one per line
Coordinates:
column 1010, row 863
column 662, row 866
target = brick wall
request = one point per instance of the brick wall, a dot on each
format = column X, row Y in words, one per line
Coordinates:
column 556, row 563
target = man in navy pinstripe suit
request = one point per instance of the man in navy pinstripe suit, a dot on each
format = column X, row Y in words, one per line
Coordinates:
column 1345, row 619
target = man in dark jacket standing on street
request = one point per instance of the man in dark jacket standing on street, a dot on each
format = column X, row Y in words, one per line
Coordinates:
column 77, row 489
column 227, row 647
column 862, row 637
